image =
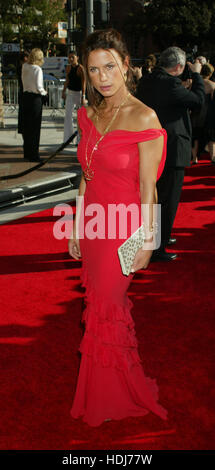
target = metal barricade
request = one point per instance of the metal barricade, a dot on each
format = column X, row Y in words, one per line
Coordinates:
column 55, row 101
column 53, row 87
column 10, row 93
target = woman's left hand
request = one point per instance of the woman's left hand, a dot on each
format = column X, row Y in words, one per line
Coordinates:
column 141, row 260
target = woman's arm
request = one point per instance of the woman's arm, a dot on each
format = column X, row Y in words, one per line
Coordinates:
column 23, row 75
column 83, row 82
column 150, row 154
column 73, row 244
column 39, row 81
column 82, row 186
column 66, row 82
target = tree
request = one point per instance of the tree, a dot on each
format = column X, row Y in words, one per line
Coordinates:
column 179, row 21
column 46, row 14
column 31, row 22
column 16, row 19
column 172, row 22
column 135, row 26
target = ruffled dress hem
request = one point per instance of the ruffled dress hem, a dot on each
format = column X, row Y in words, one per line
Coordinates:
column 111, row 382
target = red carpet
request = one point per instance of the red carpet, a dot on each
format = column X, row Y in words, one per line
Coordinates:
column 41, row 308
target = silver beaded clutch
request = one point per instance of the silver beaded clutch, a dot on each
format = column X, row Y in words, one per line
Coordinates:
column 128, row 250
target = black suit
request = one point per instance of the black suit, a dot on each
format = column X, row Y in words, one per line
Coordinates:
column 172, row 102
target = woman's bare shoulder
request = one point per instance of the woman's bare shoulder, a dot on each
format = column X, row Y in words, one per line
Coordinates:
column 143, row 116
column 80, row 69
column 68, row 68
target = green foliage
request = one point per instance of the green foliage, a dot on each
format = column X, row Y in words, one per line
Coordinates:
column 181, row 22
column 31, row 21
column 136, row 21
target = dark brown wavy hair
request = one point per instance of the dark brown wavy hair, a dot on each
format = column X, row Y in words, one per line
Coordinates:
column 105, row 39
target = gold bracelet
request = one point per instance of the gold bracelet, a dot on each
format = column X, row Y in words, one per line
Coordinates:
column 153, row 228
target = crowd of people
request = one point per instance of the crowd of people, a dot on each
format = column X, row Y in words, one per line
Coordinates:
column 202, row 120
column 173, row 99
column 30, row 79
column 182, row 94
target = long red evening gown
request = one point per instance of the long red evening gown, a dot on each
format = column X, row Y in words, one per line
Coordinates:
column 111, row 382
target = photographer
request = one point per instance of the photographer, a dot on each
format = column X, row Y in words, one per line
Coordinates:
column 163, row 91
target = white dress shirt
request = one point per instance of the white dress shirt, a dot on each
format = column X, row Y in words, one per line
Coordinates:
column 32, row 79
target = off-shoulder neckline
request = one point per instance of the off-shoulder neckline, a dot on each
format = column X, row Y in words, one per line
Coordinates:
column 161, row 131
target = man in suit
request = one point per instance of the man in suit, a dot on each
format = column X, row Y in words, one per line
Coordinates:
column 163, row 91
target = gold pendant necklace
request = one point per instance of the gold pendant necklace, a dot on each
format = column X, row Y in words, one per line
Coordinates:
column 89, row 172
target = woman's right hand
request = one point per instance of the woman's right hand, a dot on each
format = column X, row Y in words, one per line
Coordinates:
column 74, row 248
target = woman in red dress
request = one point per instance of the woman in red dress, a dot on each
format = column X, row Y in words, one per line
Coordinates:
column 122, row 153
